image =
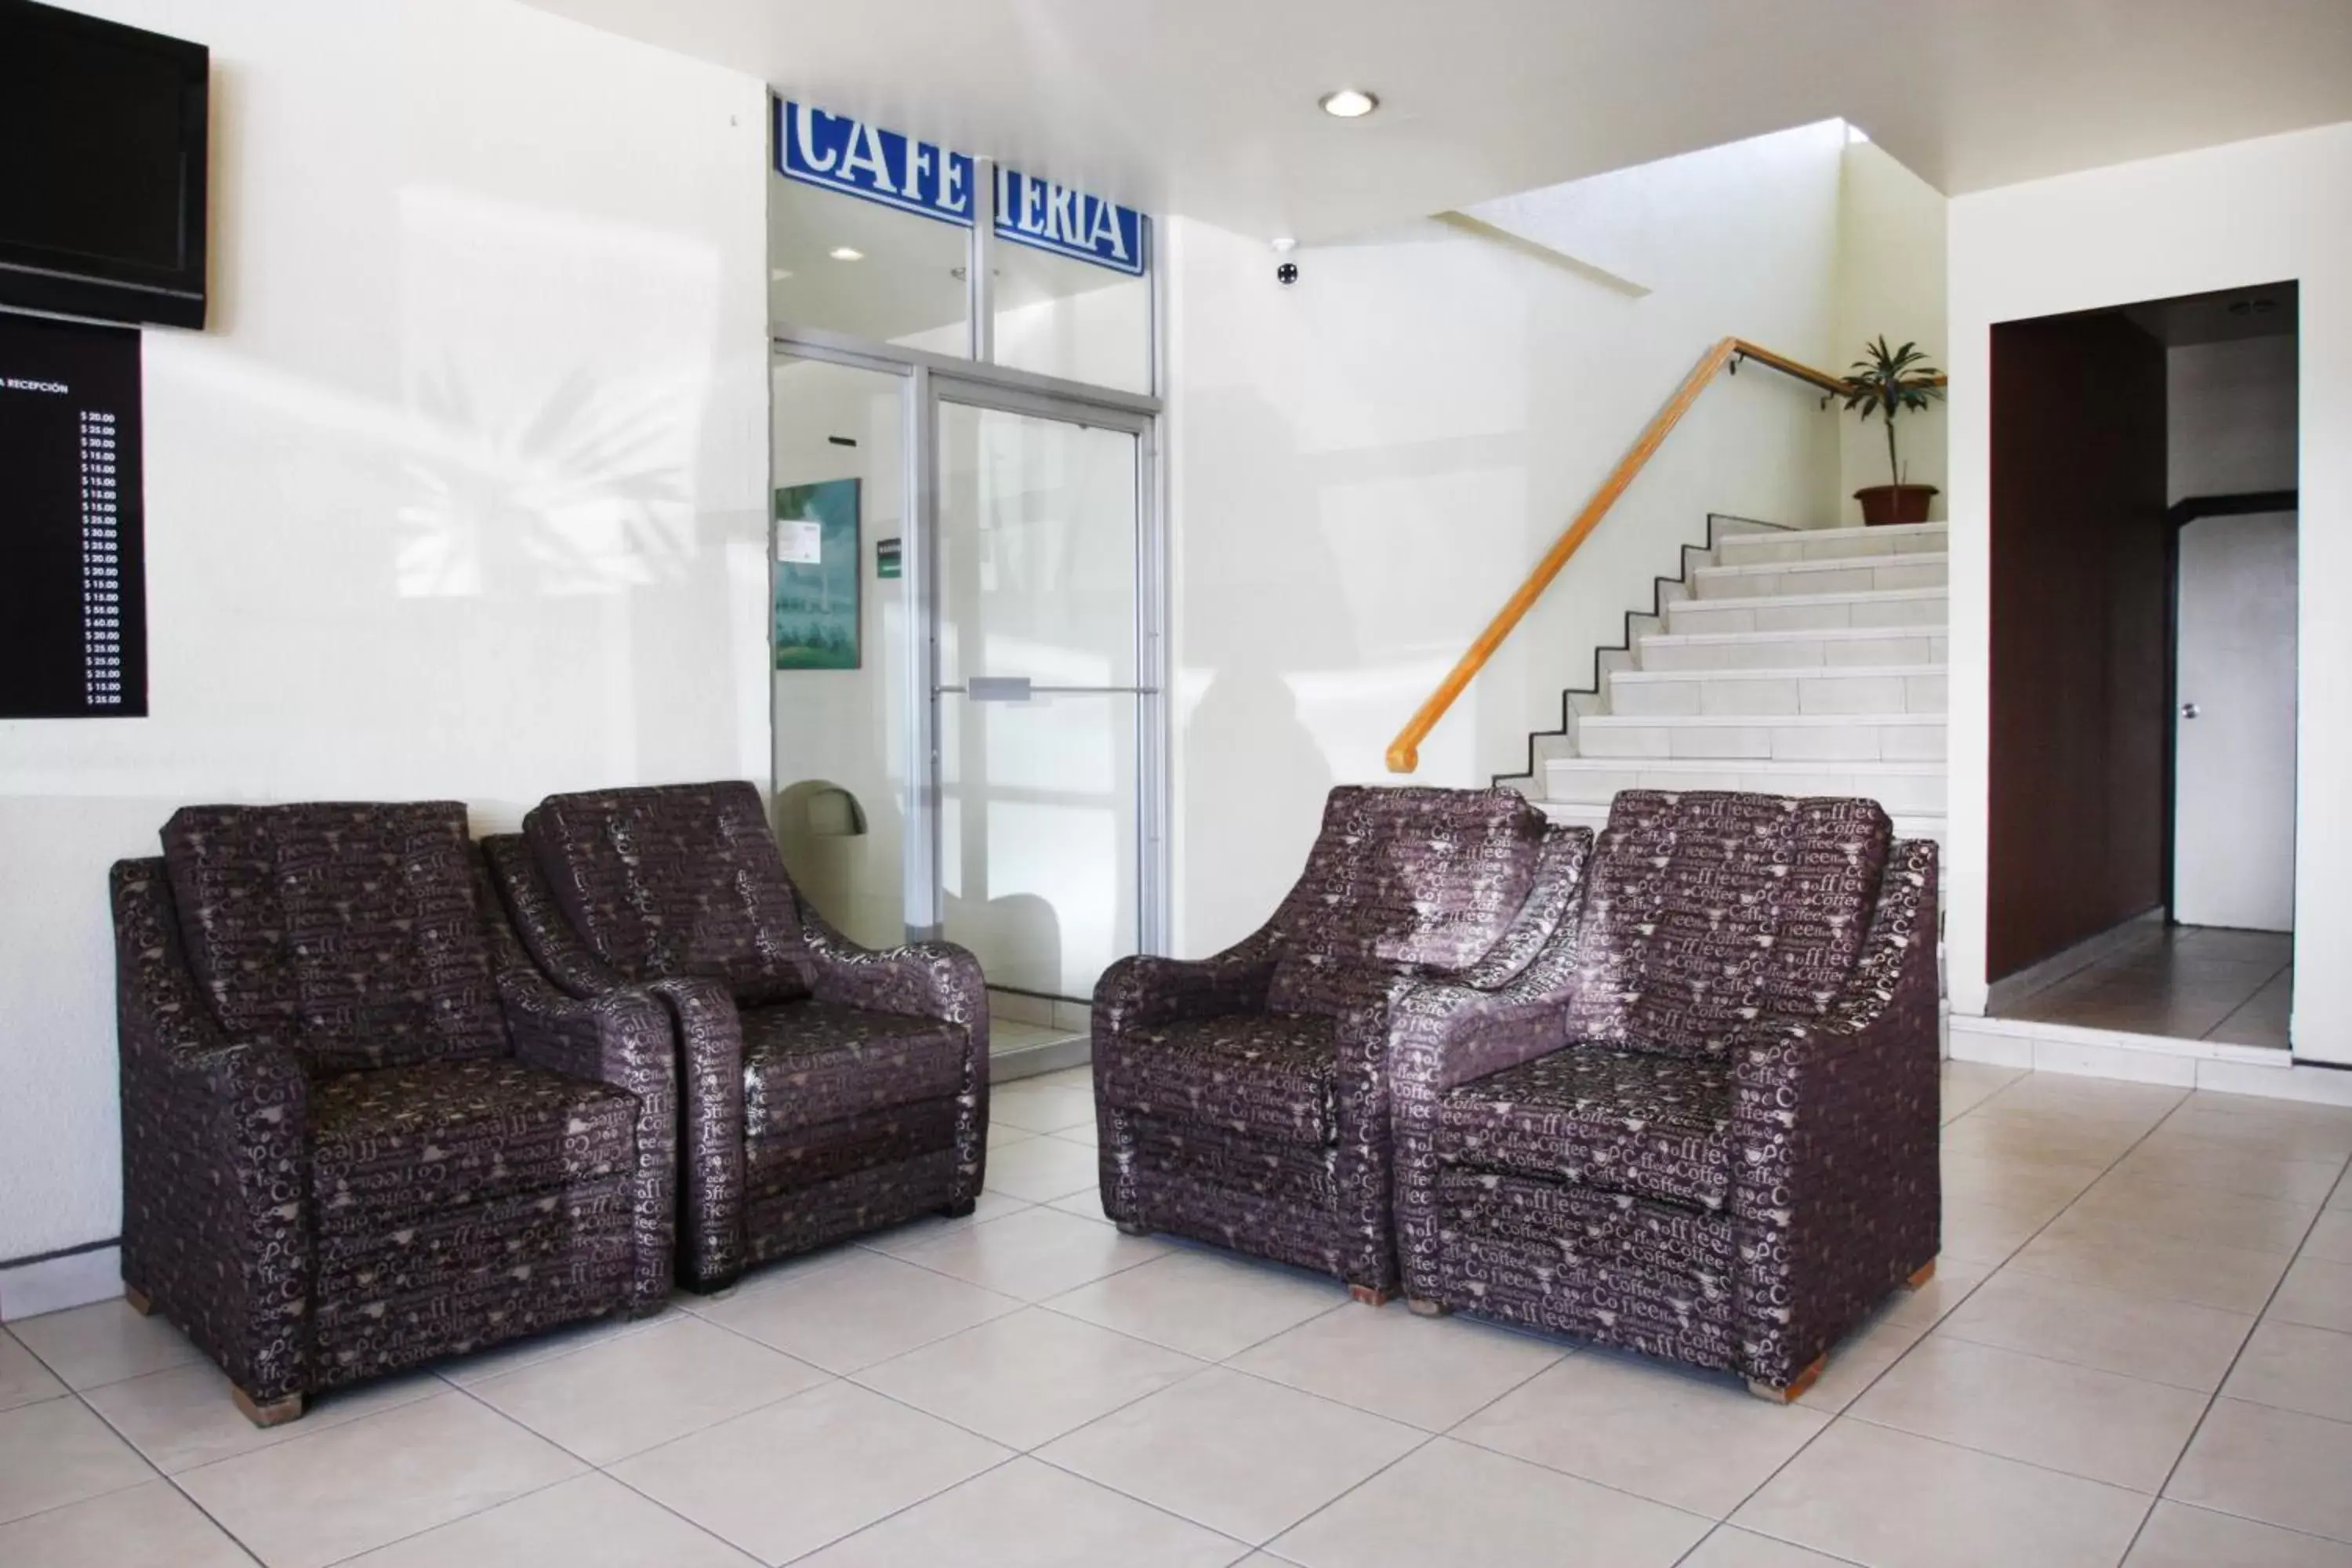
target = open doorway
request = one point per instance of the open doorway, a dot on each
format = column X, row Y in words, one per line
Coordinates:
column 2144, row 666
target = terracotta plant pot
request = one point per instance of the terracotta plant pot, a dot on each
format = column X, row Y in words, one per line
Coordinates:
column 1894, row 503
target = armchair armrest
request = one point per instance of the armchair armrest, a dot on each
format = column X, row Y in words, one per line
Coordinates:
column 1835, row 1181
column 622, row 1038
column 1441, row 1036
column 1142, row 989
column 924, row 979
column 533, row 919
column 216, row 1223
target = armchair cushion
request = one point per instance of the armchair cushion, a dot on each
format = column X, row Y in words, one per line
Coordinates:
column 1424, row 879
column 351, row 931
column 1618, row 1122
column 1705, row 910
column 808, row 1063
column 1266, row 1074
column 402, row 1144
column 681, row 880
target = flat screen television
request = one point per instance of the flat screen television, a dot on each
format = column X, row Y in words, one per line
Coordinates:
column 101, row 168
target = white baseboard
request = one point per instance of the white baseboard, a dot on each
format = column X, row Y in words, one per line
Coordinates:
column 2146, row 1059
column 53, row 1284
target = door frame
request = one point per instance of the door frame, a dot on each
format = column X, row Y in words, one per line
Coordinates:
column 929, row 380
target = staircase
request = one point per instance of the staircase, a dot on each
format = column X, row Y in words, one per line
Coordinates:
column 1788, row 661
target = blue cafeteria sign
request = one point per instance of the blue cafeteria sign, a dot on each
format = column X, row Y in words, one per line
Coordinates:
column 857, row 159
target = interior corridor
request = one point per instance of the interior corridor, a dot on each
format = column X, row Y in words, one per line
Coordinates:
column 2184, row 982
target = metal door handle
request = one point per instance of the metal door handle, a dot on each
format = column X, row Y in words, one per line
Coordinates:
column 2188, row 710
column 997, row 688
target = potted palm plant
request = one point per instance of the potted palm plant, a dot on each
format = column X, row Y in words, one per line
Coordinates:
column 1888, row 382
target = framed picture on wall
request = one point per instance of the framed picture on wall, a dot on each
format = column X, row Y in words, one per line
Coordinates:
column 816, row 580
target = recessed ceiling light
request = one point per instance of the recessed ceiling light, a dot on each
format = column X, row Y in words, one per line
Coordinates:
column 1348, row 103
column 847, row 253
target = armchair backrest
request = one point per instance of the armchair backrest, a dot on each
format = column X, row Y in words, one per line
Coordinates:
column 350, row 932
column 1414, row 880
column 673, row 880
column 1705, row 910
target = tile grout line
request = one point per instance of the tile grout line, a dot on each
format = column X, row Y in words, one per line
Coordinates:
column 2173, row 1471
column 592, row 1470
column 1205, row 1364
column 156, row 1471
column 1845, row 1410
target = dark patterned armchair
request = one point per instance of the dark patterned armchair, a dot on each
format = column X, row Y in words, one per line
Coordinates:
column 1243, row 1099
column 830, row 1090
column 1733, row 1156
column 359, row 1130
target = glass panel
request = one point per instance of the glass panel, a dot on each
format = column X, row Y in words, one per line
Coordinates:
column 1062, row 317
column 1038, row 806
column 837, row 636
column 845, row 265
column 1037, row 528
column 1037, row 837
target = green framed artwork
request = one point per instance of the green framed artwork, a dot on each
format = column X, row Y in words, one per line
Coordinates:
column 816, row 580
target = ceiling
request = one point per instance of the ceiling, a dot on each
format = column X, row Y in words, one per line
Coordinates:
column 2263, row 310
column 1208, row 107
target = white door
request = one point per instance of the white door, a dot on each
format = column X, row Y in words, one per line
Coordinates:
column 2233, row 816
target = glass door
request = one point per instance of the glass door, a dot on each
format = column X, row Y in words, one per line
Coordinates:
column 965, row 657
column 1046, row 696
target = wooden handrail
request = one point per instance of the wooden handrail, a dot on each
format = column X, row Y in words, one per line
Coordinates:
column 1404, row 751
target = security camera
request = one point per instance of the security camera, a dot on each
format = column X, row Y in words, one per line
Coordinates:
column 1287, row 274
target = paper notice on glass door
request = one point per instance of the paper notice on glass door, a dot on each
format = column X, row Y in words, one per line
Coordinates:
column 800, row 542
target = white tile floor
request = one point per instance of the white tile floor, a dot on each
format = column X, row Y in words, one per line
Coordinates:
column 2137, row 1350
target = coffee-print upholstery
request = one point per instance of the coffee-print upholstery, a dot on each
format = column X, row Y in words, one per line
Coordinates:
column 360, row 1131
column 830, row 1090
column 1242, row 1098
column 1728, row 1156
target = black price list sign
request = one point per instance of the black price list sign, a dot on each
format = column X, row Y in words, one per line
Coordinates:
column 73, row 623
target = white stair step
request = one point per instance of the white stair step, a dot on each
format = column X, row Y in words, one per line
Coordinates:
column 1832, row 543
column 1907, row 825
column 1811, row 612
column 1772, row 578
column 1864, row 689
column 1900, row 787
column 1836, row 648
column 1788, row 738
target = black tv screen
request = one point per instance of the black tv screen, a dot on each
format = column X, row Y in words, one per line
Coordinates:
column 101, row 168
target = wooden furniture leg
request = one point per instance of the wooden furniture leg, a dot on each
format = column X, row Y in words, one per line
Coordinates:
column 138, row 1302
column 276, row 1413
column 1797, row 1384
column 1920, row 1275
column 1372, row 1295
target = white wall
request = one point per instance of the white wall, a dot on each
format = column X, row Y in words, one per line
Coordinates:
column 1891, row 242
column 460, row 495
column 1365, row 465
column 2253, row 212
column 2230, row 417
